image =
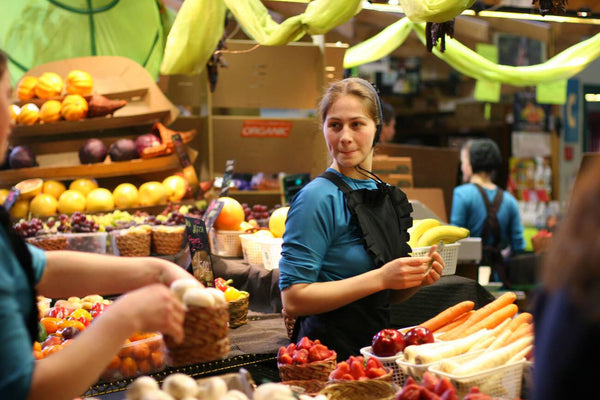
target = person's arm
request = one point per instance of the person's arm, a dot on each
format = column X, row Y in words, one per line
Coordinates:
column 319, row 297
column 517, row 241
column 398, row 296
column 71, row 273
column 69, row 372
column 458, row 215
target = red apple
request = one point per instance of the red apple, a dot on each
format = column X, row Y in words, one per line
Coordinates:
column 387, row 342
column 418, row 335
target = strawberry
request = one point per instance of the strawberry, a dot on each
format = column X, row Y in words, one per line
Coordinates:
column 318, row 352
column 347, row 377
column 373, row 362
column 304, row 343
column 375, row 372
column 285, row 359
column 443, row 386
column 430, row 381
column 357, row 369
column 341, row 369
column 300, row 356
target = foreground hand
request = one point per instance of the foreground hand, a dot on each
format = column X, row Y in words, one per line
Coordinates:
column 436, row 270
column 171, row 272
column 152, row 308
column 404, row 272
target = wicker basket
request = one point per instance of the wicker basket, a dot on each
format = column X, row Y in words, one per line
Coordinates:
column 317, row 370
column 289, row 323
column 251, row 249
column 308, row 386
column 206, row 336
column 238, row 311
column 226, row 243
column 167, row 241
column 132, row 244
column 49, row 242
column 369, row 389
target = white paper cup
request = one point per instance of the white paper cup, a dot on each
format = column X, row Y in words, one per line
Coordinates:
column 483, row 275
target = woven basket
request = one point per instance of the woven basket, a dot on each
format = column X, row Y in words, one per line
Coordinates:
column 49, row 243
column 289, row 323
column 369, row 389
column 206, row 336
column 226, row 243
column 238, row 311
column 133, row 244
column 167, row 242
column 316, row 370
column 308, row 386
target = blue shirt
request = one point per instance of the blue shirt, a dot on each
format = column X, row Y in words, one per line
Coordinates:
column 16, row 356
column 320, row 242
column 469, row 211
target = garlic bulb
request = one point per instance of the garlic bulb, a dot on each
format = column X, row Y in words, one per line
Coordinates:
column 199, row 297
column 140, row 386
column 180, row 385
column 180, row 286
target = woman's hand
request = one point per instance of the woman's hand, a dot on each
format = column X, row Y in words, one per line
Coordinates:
column 404, row 273
column 150, row 309
column 436, row 270
column 171, row 272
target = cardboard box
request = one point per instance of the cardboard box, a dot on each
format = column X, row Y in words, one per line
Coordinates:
column 399, row 180
column 383, row 164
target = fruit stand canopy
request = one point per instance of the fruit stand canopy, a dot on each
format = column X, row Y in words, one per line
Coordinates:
column 105, row 27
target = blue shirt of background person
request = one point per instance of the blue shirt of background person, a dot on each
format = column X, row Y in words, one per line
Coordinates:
column 480, row 160
column 15, row 305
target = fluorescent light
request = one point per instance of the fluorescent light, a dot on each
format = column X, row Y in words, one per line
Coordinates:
column 592, row 97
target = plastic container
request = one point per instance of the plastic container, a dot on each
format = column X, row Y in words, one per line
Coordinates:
column 449, row 254
column 226, row 243
column 251, row 249
column 93, row 242
column 271, row 252
column 140, row 357
column 398, row 376
column 503, row 381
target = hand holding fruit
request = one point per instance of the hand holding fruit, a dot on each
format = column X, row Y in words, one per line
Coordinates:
column 404, row 272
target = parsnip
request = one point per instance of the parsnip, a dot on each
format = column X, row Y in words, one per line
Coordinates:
column 483, row 344
column 450, row 349
column 493, row 358
column 500, row 340
column 521, row 354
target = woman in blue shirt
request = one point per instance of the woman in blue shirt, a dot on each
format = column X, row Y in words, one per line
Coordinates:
column 327, row 278
column 147, row 305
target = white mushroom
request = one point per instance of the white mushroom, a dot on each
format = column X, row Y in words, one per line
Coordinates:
column 199, row 297
column 156, row 395
column 140, row 386
column 180, row 286
column 217, row 294
column 234, row 395
column 180, row 385
column 212, row 388
column 273, row 391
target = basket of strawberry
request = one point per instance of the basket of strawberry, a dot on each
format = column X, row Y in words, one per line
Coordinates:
column 360, row 379
column 306, row 360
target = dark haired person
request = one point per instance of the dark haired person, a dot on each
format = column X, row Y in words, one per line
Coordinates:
column 388, row 128
column 484, row 208
column 147, row 305
column 339, row 291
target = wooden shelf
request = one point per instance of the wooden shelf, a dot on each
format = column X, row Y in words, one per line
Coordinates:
column 98, row 170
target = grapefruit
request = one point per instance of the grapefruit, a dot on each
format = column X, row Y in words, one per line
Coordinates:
column 84, row 185
column 277, row 221
column 71, row 201
column 53, row 188
column 231, row 215
column 175, row 187
column 99, row 199
column 152, row 193
column 43, row 205
column 29, row 188
column 126, row 195
column 20, row 209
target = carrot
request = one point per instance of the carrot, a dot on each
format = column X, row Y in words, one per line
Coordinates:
column 455, row 323
column 523, row 330
column 504, row 300
column 523, row 317
column 448, row 315
column 493, row 320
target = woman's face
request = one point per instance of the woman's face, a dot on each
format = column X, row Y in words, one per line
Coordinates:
column 465, row 165
column 6, row 123
column 349, row 132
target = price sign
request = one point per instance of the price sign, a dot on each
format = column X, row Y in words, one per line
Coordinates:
column 229, row 166
column 211, row 213
column 199, row 246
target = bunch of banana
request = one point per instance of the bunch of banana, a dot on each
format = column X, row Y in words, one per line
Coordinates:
column 420, row 226
column 445, row 233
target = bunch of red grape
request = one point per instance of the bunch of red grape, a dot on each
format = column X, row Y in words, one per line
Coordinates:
column 77, row 223
column 27, row 229
column 257, row 212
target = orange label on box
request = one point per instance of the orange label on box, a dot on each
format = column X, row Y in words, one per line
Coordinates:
column 266, row 128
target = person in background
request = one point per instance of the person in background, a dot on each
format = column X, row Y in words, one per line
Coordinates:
column 328, row 280
column 147, row 305
column 484, row 208
column 388, row 128
column 567, row 308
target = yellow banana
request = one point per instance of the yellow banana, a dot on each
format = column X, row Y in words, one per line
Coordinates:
column 446, row 233
column 419, row 228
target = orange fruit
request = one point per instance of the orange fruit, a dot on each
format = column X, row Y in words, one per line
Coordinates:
column 152, row 193
column 43, row 205
column 99, row 199
column 126, row 195
column 231, row 215
column 83, row 185
column 14, row 112
column 175, row 187
column 20, row 209
column 70, row 201
column 29, row 188
column 53, row 188
column 128, row 367
column 277, row 221
column 3, row 194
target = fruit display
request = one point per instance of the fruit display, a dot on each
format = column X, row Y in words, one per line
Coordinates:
column 356, row 368
column 432, row 387
column 141, row 354
column 429, row 231
column 388, row 342
column 306, row 360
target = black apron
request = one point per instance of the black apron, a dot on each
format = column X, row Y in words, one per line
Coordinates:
column 383, row 218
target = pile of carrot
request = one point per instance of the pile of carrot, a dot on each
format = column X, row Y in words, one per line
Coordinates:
column 462, row 320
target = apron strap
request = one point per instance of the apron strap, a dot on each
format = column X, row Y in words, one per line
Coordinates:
column 339, row 182
column 491, row 224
